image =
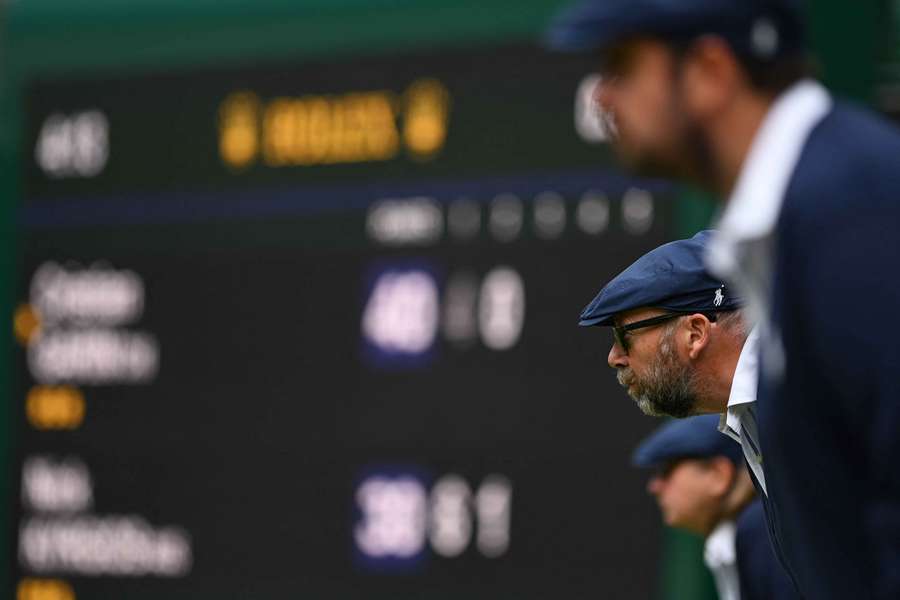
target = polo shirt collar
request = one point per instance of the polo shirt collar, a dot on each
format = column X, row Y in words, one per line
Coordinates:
column 743, row 385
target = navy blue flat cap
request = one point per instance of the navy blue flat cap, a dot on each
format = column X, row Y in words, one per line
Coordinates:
column 694, row 437
column 672, row 277
column 762, row 29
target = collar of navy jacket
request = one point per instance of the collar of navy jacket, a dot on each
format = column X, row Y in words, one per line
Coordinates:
column 755, row 202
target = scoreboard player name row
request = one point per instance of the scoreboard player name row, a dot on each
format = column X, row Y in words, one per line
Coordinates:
column 366, row 126
column 450, row 115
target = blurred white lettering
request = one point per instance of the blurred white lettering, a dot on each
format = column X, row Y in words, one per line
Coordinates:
column 75, row 145
column 96, row 295
column 408, row 221
column 94, row 546
column 94, row 356
column 49, row 485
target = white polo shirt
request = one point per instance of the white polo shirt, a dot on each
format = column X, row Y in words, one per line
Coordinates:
column 720, row 556
column 739, row 421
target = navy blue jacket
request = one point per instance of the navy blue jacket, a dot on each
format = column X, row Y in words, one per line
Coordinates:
column 830, row 425
column 761, row 575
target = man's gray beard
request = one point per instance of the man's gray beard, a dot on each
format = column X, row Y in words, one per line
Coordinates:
column 668, row 389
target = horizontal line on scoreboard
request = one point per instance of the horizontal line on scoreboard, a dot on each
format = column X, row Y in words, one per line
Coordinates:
column 179, row 207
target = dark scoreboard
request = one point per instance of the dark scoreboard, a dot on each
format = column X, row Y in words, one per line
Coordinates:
column 308, row 331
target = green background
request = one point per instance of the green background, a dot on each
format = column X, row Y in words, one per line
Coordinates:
column 44, row 39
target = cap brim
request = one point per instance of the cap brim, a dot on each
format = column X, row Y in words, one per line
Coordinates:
column 596, row 321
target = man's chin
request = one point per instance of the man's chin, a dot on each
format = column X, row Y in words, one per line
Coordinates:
column 653, row 409
column 647, row 165
column 647, row 407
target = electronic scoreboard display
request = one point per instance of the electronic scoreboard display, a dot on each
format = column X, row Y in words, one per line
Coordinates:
column 309, row 331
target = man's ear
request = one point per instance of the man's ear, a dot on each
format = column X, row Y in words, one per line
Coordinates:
column 711, row 73
column 697, row 330
column 724, row 472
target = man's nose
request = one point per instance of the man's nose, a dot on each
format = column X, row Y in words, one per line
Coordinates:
column 655, row 485
column 617, row 359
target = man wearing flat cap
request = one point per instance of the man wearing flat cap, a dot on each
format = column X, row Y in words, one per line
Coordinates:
column 701, row 486
column 681, row 346
column 718, row 92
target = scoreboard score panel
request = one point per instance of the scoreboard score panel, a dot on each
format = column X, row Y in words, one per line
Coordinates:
column 310, row 329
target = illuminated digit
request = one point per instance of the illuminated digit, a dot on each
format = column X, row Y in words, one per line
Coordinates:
column 549, row 215
column 460, row 299
column 393, row 517
column 401, row 315
column 90, row 143
column 506, row 217
column 53, row 150
column 637, row 211
column 592, row 213
column 501, row 308
column 493, row 504
column 451, row 519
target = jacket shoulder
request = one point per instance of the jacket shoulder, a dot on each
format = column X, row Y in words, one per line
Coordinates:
column 851, row 162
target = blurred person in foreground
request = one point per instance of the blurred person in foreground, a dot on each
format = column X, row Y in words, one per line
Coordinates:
column 718, row 93
column 701, row 486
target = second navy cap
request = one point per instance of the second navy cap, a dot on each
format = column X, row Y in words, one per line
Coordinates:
column 693, row 437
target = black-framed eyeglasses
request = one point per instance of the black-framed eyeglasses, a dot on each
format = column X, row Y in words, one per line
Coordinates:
column 620, row 332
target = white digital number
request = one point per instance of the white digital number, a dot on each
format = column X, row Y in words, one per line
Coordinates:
column 451, row 517
column 402, row 312
column 393, row 517
column 501, row 308
column 492, row 505
column 75, row 145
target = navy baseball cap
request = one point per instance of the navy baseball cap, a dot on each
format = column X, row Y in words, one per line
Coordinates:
column 761, row 29
column 693, row 437
column 673, row 277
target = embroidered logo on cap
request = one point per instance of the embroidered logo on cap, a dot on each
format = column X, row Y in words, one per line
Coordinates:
column 719, row 298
